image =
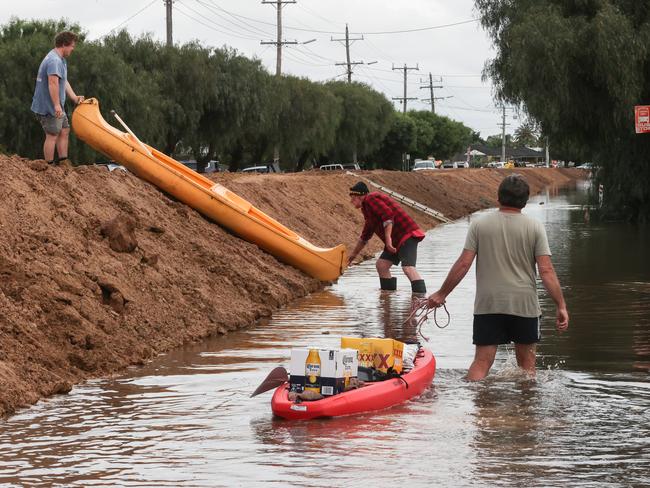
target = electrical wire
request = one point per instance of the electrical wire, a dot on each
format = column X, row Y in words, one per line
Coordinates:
column 128, row 19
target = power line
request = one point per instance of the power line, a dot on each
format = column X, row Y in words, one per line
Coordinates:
column 129, row 18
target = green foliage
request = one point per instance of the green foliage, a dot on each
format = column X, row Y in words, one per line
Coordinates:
column 579, row 68
column 192, row 101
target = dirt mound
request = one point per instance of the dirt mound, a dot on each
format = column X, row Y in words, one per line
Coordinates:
column 100, row 270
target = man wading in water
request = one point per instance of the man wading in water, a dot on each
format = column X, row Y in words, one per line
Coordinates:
column 508, row 245
column 401, row 235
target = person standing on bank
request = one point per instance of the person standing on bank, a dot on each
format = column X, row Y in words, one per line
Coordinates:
column 507, row 245
column 399, row 232
column 49, row 97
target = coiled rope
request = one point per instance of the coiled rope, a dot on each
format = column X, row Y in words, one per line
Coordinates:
column 420, row 314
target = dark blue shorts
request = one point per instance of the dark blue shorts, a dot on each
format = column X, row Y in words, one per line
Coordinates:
column 497, row 328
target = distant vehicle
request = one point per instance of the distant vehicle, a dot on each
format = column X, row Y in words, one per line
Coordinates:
column 340, row 167
column 351, row 166
column 585, row 166
column 267, row 168
column 424, row 165
column 461, row 164
column 497, row 164
column 205, row 167
column 112, row 166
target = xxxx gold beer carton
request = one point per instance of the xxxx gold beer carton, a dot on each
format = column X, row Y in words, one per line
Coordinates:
column 326, row 371
column 375, row 352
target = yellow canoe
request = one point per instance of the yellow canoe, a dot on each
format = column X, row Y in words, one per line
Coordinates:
column 207, row 197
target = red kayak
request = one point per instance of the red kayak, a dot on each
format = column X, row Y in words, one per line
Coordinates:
column 373, row 396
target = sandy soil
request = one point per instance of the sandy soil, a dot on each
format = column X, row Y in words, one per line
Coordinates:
column 99, row 270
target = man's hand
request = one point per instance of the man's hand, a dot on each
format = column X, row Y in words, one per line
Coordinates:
column 562, row 319
column 436, row 299
column 58, row 111
column 80, row 99
column 390, row 248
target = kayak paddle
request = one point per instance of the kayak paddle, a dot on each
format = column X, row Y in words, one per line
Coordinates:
column 275, row 378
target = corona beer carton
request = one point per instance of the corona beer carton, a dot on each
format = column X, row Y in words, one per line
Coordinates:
column 331, row 371
column 375, row 352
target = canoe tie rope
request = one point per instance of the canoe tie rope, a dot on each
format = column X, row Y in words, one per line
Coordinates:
column 420, row 314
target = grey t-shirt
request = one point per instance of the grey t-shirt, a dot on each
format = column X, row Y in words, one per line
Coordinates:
column 52, row 64
column 506, row 245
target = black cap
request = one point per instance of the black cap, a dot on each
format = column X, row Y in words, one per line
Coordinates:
column 359, row 189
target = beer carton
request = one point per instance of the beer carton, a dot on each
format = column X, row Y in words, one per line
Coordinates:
column 375, row 352
column 338, row 368
column 331, row 372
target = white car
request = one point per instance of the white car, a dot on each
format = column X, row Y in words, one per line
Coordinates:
column 424, row 165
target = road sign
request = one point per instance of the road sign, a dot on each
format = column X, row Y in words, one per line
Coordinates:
column 642, row 119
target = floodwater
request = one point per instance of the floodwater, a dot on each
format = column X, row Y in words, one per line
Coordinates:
column 187, row 419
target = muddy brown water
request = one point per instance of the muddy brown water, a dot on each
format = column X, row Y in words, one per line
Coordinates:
column 187, row 419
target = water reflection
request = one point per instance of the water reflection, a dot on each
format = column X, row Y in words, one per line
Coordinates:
column 187, row 420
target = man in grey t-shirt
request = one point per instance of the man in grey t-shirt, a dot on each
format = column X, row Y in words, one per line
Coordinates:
column 508, row 245
column 49, row 97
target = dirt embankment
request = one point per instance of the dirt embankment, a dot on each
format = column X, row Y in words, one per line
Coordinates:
column 100, row 270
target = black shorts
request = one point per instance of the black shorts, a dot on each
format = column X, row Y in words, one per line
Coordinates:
column 407, row 253
column 498, row 328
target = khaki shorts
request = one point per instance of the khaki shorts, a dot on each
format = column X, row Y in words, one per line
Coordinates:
column 53, row 125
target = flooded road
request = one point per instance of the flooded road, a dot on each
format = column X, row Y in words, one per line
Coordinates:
column 187, row 419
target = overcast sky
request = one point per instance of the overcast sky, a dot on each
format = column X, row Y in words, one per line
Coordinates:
column 456, row 53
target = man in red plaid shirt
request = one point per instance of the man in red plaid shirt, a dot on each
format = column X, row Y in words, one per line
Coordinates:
column 399, row 232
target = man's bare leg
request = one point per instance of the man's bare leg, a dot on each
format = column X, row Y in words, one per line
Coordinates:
column 483, row 360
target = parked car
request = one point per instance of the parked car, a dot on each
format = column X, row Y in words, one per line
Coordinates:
column 461, row 164
column 339, row 167
column 496, row 164
column 588, row 166
column 424, row 165
column 267, row 168
column 204, row 167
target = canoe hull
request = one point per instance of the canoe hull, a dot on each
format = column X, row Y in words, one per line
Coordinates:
column 377, row 396
column 210, row 199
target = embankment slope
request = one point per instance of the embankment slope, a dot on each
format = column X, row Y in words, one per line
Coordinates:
column 101, row 270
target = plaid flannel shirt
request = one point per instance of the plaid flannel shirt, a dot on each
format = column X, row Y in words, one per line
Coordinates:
column 379, row 209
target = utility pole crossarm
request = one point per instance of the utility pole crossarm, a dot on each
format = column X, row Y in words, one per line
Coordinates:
column 347, row 42
column 405, row 98
column 278, row 4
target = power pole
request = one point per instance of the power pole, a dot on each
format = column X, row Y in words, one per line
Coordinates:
column 405, row 98
column 278, row 61
column 278, row 4
column 348, row 63
column 168, row 8
column 503, row 131
column 432, row 99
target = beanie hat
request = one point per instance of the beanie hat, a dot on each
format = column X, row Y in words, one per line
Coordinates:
column 359, row 188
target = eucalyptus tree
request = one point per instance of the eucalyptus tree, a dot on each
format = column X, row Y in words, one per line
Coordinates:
column 579, row 68
column 399, row 140
column 366, row 119
column 239, row 114
column 308, row 121
column 439, row 136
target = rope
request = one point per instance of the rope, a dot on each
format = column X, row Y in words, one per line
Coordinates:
column 420, row 314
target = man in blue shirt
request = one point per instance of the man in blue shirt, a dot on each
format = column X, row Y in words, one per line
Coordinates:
column 49, row 97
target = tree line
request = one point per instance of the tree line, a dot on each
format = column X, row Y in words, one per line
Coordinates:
column 578, row 69
column 214, row 103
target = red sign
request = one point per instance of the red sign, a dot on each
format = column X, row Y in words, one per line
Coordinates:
column 642, row 119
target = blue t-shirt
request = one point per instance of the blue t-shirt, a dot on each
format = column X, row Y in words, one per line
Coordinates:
column 52, row 64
